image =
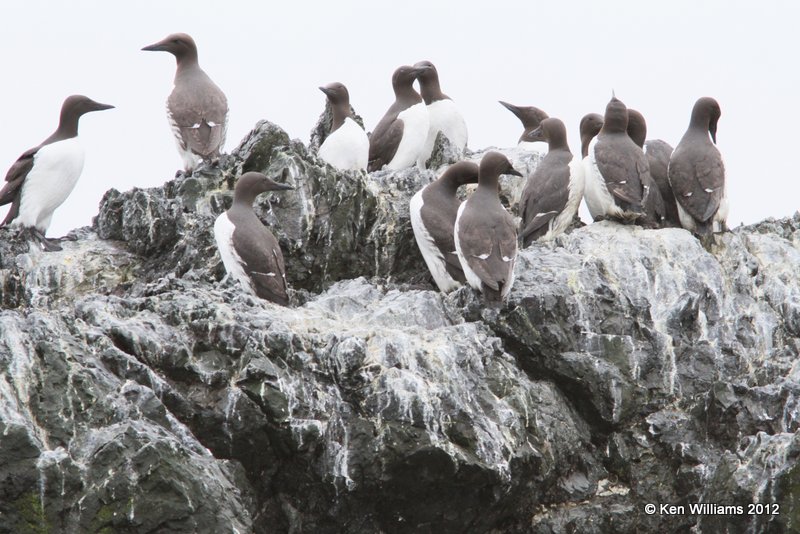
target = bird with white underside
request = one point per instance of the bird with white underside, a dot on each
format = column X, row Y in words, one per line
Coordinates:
column 433, row 212
column 43, row 177
column 250, row 252
column 553, row 192
column 486, row 234
column 347, row 146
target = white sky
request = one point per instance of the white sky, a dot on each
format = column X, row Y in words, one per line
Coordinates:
column 270, row 58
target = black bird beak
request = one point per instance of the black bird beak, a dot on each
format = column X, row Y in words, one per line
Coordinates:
column 510, row 107
column 712, row 129
column 513, row 171
column 328, row 92
column 100, row 107
column 156, row 47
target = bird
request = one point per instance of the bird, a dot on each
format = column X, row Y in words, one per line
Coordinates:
column 43, row 177
column 486, row 234
column 347, row 144
column 554, row 190
column 433, row 212
column 658, row 153
column 443, row 115
column 617, row 169
column 530, row 117
column 249, row 251
column 197, row 109
column 399, row 137
column 652, row 201
column 697, row 172
column 590, row 126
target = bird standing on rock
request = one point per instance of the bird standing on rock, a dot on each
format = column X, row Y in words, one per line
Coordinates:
column 553, row 193
column 617, row 170
column 486, row 234
column 433, row 212
column 652, row 199
column 197, row 109
column 443, row 115
column 43, row 177
column 697, row 173
column 347, row 145
column 398, row 139
column 249, row 251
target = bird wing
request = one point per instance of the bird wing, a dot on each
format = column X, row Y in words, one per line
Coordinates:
column 622, row 171
column 489, row 252
column 263, row 262
column 441, row 225
column 15, row 177
column 384, row 140
column 697, row 176
column 198, row 114
column 544, row 197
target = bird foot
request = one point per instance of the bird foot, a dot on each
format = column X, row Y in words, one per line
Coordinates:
column 33, row 234
column 50, row 245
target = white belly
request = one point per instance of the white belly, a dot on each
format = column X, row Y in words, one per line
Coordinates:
column 347, row 148
column 443, row 116
column 415, row 132
column 434, row 258
column 598, row 199
column 223, row 235
column 56, row 169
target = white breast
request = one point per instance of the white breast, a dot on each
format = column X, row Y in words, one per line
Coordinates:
column 598, row 199
column 347, row 148
column 223, row 235
column 434, row 258
column 56, row 169
column 415, row 133
column 444, row 117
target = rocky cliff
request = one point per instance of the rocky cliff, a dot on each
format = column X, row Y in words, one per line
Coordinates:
column 140, row 391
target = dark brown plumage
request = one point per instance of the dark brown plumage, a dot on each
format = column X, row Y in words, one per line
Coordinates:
column 197, row 109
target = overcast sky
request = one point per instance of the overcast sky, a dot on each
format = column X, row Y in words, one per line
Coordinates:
column 269, row 58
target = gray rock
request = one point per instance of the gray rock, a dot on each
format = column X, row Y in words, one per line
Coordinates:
column 138, row 393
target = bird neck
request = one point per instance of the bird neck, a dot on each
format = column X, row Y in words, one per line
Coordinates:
column 489, row 185
column 586, row 140
column 431, row 91
column 558, row 141
column 67, row 125
column 700, row 120
column 340, row 113
column 187, row 63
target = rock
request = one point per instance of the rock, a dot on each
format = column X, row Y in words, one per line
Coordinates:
column 139, row 393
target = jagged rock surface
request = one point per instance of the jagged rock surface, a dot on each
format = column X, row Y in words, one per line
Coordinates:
column 139, row 393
